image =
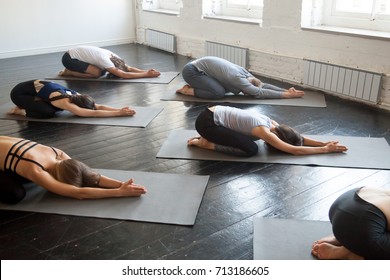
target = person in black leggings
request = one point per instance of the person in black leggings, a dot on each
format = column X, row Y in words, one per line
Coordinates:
column 234, row 131
column 43, row 99
column 360, row 224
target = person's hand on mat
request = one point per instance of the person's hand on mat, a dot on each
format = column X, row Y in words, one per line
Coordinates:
column 131, row 189
column 153, row 73
column 126, row 111
column 335, row 147
column 293, row 93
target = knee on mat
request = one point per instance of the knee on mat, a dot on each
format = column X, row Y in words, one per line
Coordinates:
column 219, row 94
column 41, row 115
column 376, row 245
column 14, row 196
column 252, row 150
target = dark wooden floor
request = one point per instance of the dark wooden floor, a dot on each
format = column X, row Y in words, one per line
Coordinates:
column 236, row 191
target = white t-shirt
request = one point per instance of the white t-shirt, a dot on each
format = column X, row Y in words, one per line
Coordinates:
column 239, row 120
column 93, row 55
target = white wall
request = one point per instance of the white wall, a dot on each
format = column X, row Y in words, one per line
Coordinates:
column 41, row 26
column 278, row 47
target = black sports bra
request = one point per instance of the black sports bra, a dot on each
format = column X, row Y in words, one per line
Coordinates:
column 13, row 158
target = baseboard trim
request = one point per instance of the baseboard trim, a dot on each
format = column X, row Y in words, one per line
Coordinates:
column 62, row 48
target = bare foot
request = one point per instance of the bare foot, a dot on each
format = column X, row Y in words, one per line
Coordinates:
column 17, row 111
column 331, row 239
column 293, row 93
column 201, row 143
column 64, row 72
column 186, row 90
column 327, row 251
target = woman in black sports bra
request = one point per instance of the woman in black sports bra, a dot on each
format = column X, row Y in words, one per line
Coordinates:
column 22, row 161
column 43, row 99
column 361, row 226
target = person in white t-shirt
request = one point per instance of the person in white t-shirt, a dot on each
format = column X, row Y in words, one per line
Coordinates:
column 93, row 62
column 235, row 131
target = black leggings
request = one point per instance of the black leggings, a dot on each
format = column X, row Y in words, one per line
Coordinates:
column 360, row 226
column 74, row 64
column 24, row 96
column 226, row 140
column 11, row 188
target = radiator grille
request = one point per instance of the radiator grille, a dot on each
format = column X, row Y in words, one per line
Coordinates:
column 234, row 54
column 351, row 82
column 161, row 40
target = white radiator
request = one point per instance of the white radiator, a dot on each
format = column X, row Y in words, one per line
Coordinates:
column 351, row 82
column 234, row 54
column 161, row 40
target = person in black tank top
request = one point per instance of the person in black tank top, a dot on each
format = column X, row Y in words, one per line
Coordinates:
column 23, row 161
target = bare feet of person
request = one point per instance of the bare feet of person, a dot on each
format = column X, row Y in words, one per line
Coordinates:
column 201, row 143
column 329, row 248
column 327, row 251
column 293, row 93
column 186, row 90
column 64, row 72
column 331, row 239
column 17, row 111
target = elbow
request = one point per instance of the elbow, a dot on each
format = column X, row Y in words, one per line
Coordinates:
column 78, row 194
column 297, row 152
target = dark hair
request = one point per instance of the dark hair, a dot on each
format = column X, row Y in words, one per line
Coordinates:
column 289, row 135
column 83, row 101
column 76, row 173
column 119, row 63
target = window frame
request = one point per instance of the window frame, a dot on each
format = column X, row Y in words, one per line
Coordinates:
column 365, row 21
column 226, row 10
column 162, row 6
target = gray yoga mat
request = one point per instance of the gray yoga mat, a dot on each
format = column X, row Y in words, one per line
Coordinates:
column 164, row 78
column 363, row 152
column 143, row 116
column 311, row 99
column 283, row 239
column 171, row 199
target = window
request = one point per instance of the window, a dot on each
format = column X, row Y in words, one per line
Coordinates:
column 360, row 14
column 248, row 10
column 163, row 6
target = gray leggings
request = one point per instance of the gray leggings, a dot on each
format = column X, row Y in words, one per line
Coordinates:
column 207, row 87
column 204, row 86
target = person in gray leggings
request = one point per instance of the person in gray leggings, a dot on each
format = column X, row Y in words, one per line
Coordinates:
column 212, row 77
column 361, row 229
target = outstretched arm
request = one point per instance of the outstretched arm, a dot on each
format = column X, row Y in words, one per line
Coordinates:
column 273, row 140
column 126, row 110
column 136, row 73
column 101, row 110
column 45, row 180
column 269, row 91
